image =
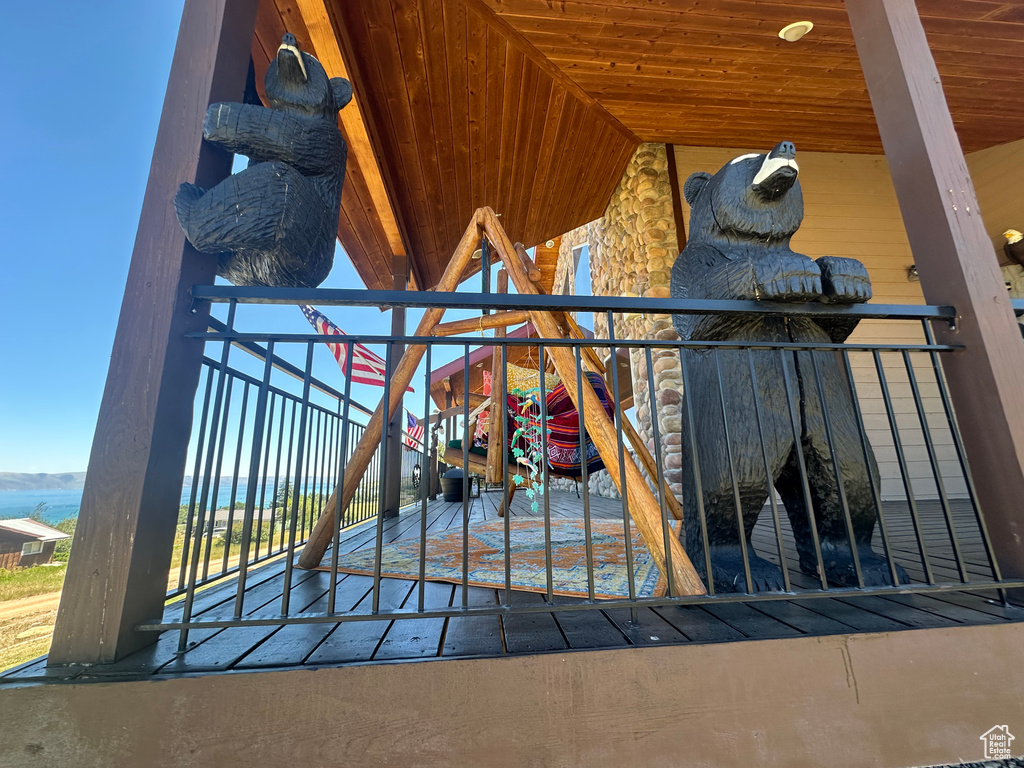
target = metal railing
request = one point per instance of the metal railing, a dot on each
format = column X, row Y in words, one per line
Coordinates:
column 222, row 524
column 901, row 410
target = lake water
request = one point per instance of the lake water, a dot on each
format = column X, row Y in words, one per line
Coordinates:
column 62, row 503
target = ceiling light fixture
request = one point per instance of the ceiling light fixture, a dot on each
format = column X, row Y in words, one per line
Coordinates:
column 793, row 32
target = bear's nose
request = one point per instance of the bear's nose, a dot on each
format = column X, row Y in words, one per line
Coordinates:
column 785, row 149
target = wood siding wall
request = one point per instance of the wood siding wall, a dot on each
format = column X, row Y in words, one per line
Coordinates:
column 10, row 554
column 850, row 209
column 998, row 174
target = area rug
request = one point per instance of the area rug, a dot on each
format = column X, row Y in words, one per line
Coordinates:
column 401, row 559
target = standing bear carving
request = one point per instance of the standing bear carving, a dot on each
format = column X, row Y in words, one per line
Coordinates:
column 767, row 418
column 275, row 223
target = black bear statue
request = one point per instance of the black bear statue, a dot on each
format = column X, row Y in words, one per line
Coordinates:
column 766, row 418
column 275, row 223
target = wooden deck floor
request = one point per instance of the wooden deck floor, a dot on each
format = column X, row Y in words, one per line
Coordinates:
column 263, row 647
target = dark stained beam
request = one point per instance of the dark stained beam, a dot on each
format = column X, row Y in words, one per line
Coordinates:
column 954, row 258
column 117, row 575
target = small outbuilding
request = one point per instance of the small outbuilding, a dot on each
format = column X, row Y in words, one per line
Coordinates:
column 25, row 542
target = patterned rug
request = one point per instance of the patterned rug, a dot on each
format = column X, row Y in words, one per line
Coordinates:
column 529, row 573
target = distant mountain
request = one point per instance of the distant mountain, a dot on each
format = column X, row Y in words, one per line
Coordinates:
column 41, row 481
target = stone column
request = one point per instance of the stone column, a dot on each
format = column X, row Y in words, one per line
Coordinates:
column 632, row 249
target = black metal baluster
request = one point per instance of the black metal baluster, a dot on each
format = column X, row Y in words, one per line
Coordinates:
column 268, row 438
column 666, row 529
column 200, row 450
column 425, row 477
column 798, row 451
column 289, row 487
column 228, row 533
column 200, row 523
column 300, row 456
column 961, row 454
column 545, row 475
column 584, row 474
column 626, row 520
column 768, row 473
column 904, row 469
column 840, row 485
column 508, row 478
column 936, row 471
column 339, row 509
column 383, row 476
column 466, row 444
column 732, row 476
column 208, row 533
column 252, row 485
column 695, row 460
column 875, row 491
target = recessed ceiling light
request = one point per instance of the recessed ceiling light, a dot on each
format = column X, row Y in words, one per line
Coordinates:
column 793, row 32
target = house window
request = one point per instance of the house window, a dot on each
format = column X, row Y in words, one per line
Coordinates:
column 31, row 548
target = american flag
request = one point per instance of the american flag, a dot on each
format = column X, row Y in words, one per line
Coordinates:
column 367, row 367
column 413, row 436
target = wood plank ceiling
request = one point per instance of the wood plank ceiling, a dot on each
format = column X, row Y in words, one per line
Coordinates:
column 715, row 72
column 533, row 107
column 465, row 114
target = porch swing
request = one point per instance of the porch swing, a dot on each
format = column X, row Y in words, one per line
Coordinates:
column 525, row 422
column 577, row 391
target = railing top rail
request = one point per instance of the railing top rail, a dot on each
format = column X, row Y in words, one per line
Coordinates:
column 427, row 299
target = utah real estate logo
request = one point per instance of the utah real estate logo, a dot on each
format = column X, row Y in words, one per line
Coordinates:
column 997, row 742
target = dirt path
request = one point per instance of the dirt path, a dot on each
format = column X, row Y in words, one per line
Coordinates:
column 12, row 609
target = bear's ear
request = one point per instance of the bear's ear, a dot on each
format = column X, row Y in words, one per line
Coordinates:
column 342, row 90
column 695, row 185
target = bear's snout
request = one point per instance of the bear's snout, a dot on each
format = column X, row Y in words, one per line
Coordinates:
column 785, row 149
column 778, row 172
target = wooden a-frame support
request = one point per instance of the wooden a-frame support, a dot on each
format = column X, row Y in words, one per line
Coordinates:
column 642, row 505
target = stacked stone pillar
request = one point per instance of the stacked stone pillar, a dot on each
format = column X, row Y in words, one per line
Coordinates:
column 632, row 249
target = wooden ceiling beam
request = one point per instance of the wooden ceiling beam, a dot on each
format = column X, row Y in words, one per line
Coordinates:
column 326, row 50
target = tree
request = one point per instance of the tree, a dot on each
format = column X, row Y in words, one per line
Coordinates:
column 62, row 549
column 284, row 495
column 38, row 514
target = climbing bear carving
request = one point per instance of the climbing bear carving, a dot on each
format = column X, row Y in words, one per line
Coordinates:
column 275, row 223
column 767, row 404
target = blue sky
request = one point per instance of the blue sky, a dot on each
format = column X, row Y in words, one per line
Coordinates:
column 85, row 86
column 80, row 122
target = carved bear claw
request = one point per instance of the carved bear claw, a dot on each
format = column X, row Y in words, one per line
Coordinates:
column 843, row 280
column 840, row 570
column 788, row 277
column 727, row 569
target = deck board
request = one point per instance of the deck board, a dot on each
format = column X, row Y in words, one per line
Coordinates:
column 331, row 643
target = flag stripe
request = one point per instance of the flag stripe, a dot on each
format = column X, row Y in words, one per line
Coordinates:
column 367, row 367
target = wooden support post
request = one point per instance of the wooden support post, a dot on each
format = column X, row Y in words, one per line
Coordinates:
column 393, row 443
column 531, row 270
column 496, row 418
column 323, row 531
column 500, row 321
column 117, row 575
column 954, row 258
column 643, row 507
